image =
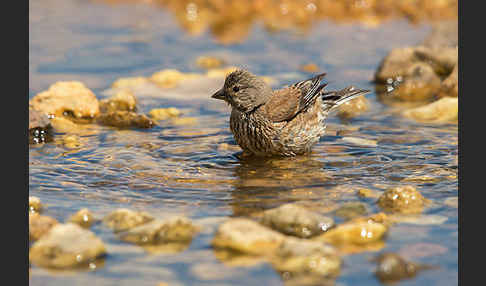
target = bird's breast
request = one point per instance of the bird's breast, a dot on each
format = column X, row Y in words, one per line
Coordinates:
column 252, row 132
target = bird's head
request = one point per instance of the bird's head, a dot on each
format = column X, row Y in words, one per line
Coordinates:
column 244, row 91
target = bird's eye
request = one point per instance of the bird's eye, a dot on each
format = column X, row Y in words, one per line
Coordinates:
column 236, row 88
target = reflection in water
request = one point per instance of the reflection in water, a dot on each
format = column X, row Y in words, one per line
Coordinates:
column 230, row 21
column 263, row 184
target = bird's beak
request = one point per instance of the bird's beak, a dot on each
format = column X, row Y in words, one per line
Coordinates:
column 219, row 94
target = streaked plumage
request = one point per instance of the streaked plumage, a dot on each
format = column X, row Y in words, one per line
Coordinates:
column 284, row 122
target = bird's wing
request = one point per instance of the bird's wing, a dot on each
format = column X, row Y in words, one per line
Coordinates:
column 286, row 103
column 333, row 99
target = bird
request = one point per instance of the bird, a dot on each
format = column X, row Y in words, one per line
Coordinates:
column 285, row 122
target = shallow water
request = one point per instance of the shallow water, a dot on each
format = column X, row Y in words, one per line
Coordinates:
column 184, row 169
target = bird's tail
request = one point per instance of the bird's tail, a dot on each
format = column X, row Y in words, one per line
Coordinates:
column 332, row 99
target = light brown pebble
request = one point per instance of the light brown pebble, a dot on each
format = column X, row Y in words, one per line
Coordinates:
column 404, row 199
column 67, row 246
column 35, row 205
column 367, row 193
column 246, row 236
column 83, row 218
column 124, row 219
column 39, row 225
column 301, row 256
column 173, row 229
column 123, row 100
column 164, row 113
column 295, row 220
column 129, row 82
column 67, row 96
column 353, row 108
column 208, row 62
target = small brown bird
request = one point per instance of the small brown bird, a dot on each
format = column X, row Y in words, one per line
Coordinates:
column 284, row 122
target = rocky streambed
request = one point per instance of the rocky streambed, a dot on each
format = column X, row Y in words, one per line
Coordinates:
column 134, row 177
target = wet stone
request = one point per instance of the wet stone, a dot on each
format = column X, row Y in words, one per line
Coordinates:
column 129, row 82
column 450, row 86
column 71, row 141
column 351, row 210
column 40, row 129
column 67, row 246
column 35, row 205
column 441, row 111
column 67, row 97
column 404, row 199
column 164, row 113
column 171, row 78
column 295, row 220
column 354, row 233
column 125, row 119
column 39, row 225
column 174, row 229
column 83, row 218
column 124, row 219
column 367, row 193
column 418, row 73
column 441, row 59
column 123, row 100
column 208, row 62
column 307, row 257
column 358, row 235
column 246, row 236
column 421, row 84
column 353, row 108
column 391, row 267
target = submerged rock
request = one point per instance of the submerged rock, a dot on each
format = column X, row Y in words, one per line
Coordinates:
column 367, row 193
column 421, row 73
column 208, row 62
column 404, row 199
column 125, row 119
column 295, row 220
column 129, row 82
column 71, row 141
column 164, row 113
column 307, row 257
column 174, row 229
column 83, row 218
column 39, row 225
column 125, row 219
column 171, row 78
column 40, row 129
column 351, row 210
column 358, row 235
column 450, row 86
column 71, row 98
column 246, row 236
column 353, row 108
column 441, row 111
column 67, row 246
column 35, row 205
column 391, row 267
column 123, row 100
column 354, row 233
